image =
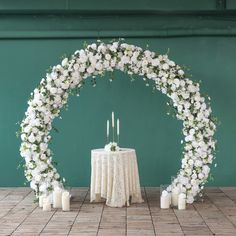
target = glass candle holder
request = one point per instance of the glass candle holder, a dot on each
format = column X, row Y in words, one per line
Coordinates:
column 200, row 196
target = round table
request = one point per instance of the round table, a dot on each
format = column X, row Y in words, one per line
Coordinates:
column 114, row 177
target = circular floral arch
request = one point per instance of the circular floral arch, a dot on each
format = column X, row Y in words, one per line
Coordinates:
column 53, row 91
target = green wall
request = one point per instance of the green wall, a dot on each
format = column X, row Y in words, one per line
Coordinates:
column 25, row 56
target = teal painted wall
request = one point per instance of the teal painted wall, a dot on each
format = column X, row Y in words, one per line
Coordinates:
column 144, row 123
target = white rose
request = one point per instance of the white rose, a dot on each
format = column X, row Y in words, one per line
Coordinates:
column 53, row 90
column 206, row 169
column 185, row 95
column 37, row 178
column 155, row 62
column 93, row 46
column 31, row 138
column 43, row 157
column 191, row 88
column 43, row 147
column 33, row 185
column 65, row 85
column 200, row 175
column 98, row 66
column 38, row 138
column 23, row 136
column 190, row 199
column 64, row 62
column 181, row 72
column 90, row 69
column 43, row 188
column 194, row 176
column 108, row 57
column 165, row 66
column 198, row 163
column 177, row 82
column 190, row 162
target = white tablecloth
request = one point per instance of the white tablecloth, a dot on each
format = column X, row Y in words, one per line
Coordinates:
column 114, row 177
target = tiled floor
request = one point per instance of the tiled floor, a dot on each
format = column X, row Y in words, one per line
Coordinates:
column 20, row 216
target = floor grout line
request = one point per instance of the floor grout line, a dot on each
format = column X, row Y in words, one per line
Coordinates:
column 154, row 230
column 6, row 195
column 23, row 220
column 78, row 212
column 220, row 209
column 100, row 218
column 55, row 210
column 173, row 209
column 203, row 220
column 11, row 209
column 126, row 221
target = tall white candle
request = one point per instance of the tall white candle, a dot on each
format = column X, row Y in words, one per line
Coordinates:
column 118, row 127
column 182, row 201
column 46, row 204
column 175, row 196
column 57, row 198
column 108, row 126
column 165, row 200
column 66, row 201
column 112, row 120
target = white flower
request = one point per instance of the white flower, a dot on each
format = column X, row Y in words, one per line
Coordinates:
column 181, row 72
column 65, row 85
column 171, row 63
column 37, row 178
column 198, row 163
column 90, row 69
column 23, row 136
column 155, row 62
column 43, row 188
column 64, row 62
column 31, row 138
column 43, row 146
column 200, row 175
column 53, row 90
column 165, row 66
column 191, row 88
column 108, row 57
column 33, row 185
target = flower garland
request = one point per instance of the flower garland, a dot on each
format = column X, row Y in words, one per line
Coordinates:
column 53, row 91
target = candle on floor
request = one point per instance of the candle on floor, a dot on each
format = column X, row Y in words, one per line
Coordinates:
column 57, row 198
column 41, row 200
column 46, row 204
column 66, row 201
column 175, row 196
column 165, row 200
column 182, row 201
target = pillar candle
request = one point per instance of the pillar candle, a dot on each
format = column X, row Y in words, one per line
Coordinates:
column 66, row 201
column 182, row 201
column 118, row 127
column 165, row 200
column 108, row 126
column 174, row 196
column 112, row 120
column 41, row 200
column 57, row 198
column 46, row 204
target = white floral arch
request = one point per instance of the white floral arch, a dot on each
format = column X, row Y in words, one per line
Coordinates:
column 49, row 97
